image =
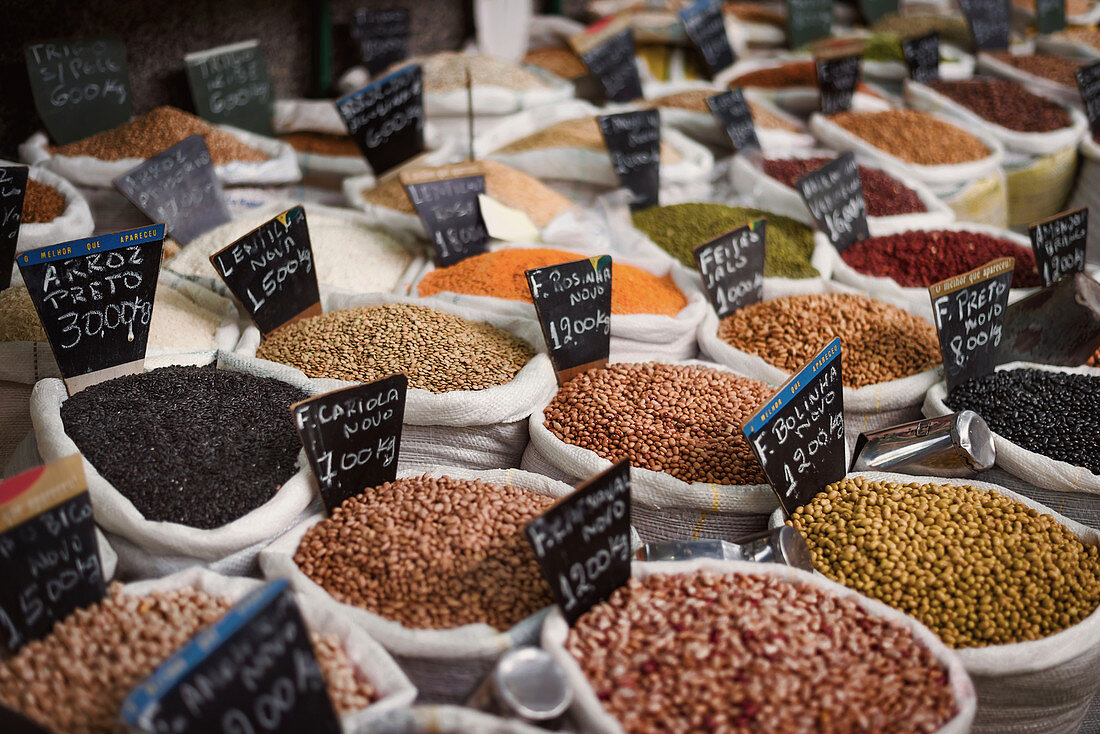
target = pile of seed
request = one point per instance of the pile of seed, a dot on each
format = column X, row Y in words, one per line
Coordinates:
column 680, row 228
column 881, row 342
column 19, row 320
column 41, row 204
column 156, row 130
column 952, row 29
column 180, row 324
column 75, row 679
column 190, row 445
column 695, row 100
column 920, row 258
column 431, row 553
column 1073, row 7
column 436, row 350
column 321, row 144
column 683, row 420
column 913, row 136
column 505, row 184
column 1088, row 35
column 707, row 652
column 1051, row 413
column 1006, row 103
column 753, row 13
column 582, row 132
column 558, row 61
column 884, row 195
column 976, row 567
column 446, row 71
column 500, row 274
column 1057, row 69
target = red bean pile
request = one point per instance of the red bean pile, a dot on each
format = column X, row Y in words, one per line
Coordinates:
column 1006, row 103
column 885, row 195
column 921, row 258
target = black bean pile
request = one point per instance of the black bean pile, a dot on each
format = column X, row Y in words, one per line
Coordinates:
column 190, row 445
column 1051, row 413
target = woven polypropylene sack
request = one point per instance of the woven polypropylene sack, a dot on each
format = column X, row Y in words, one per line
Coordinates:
column 594, row 719
column 1038, row 687
column 74, row 222
column 474, row 429
column 1042, row 471
column 1087, row 191
column 981, row 200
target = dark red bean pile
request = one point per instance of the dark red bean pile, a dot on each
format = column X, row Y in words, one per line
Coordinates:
column 1006, row 103
column 920, row 258
column 1051, row 413
column 884, row 194
column 190, row 445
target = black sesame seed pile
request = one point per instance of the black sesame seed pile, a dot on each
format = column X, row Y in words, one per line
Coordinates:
column 190, row 445
column 1051, row 413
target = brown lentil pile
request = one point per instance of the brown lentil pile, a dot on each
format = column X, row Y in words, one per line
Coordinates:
column 1055, row 68
column 881, row 342
column 431, row 553
column 683, row 420
column 19, row 320
column 1088, row 35
column 582, row 132
column 156, row 130
column 709, row 652
column 321, row 144
column 1073, row 7
column 976, row 567
column 558, row 61
column 913, row 136
column 75, row 679
column 41, row 204
column 695, row 100
column 1006, row 103
column 438, row 351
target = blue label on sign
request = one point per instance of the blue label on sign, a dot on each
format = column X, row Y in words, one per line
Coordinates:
column 791, row 390
column 101, row 243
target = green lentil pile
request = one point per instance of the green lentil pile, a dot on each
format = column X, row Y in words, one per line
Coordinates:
column 438, row 351
column 680, row 228
column 976, row 567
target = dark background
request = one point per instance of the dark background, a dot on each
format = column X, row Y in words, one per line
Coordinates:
column 158, row 34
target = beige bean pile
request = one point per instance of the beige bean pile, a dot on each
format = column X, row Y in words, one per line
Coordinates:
column 706, row 652
column 682, row 420
column 446, row 71
column 18, row 319
column 976, row 567
column 438, row 351
column 881, row 342
column 695, row 100
column 431, row 553
column 582, row 132
column 75, row 679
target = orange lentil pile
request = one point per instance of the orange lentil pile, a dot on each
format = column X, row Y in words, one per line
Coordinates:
column 501, row 275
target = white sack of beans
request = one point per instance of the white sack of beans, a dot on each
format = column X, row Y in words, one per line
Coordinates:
column 594, row 719
column 473, row 429
column 448, row 720
column 190, row 318
column 73, row 223
column 369, row 659
column 1040, row 686
column 150, row 548
column 1041, row 471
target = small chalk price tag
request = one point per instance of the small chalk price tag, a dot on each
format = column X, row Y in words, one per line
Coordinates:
column 732, row 267
column 922, row 56
column 734, row 115
column 633, row 141
column 798, row 435
column 582, row 543
column 271, row 271
column 13, row 722
column 969, row 311
column 382, row 36
column 1059, row 244
column 573, row 302
column 989, row 21
column 613, row 64
column 451, row 212
column 808, row 21
column 386, row 119
column 352, row 437
column 837, row 78
column 707, row 30
column 1050, row 15
column 834, row 196
column 13, row 189
column 872, row 10
column 230, row 86
column 1088, row 84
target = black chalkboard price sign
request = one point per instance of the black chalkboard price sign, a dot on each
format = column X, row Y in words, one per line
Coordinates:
column 271, row 271
column 48, row 550
column 451, row 213
column 707, row 30
column 732, row 267
column 1059, row 244
column 989, row 22
column 352, row 437
column 798, row 435
column 922, row 56
column 95, row 299
column 13, row 722
column 1050, row 15
column 613, row 64
column 808, row 21
column 382, row 36
column 81, row 86
column 734, row 115
column 178, row 187
column 834, row 196
column 837, row 78
column 1088, row 84
column 969, row 311
column 582, row 543
column 13, row 189
column 573, row 302
column 253, row 670
column 872, row 10
column 634, row 143
column 230, row 86
column 386, row 119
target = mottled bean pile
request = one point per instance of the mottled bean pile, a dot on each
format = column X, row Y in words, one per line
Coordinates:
column 881, row 342
column 1051, row 413
column 431, row 553
column 190, row 445
column 438, row 351
column 75, row 679
column 706, row 652
column 683, row 420
column 913, row 136
column 976, row 567
column 583, row 133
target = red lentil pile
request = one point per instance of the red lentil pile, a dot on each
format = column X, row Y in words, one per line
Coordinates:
column 884, row 194
column 1006, row 103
